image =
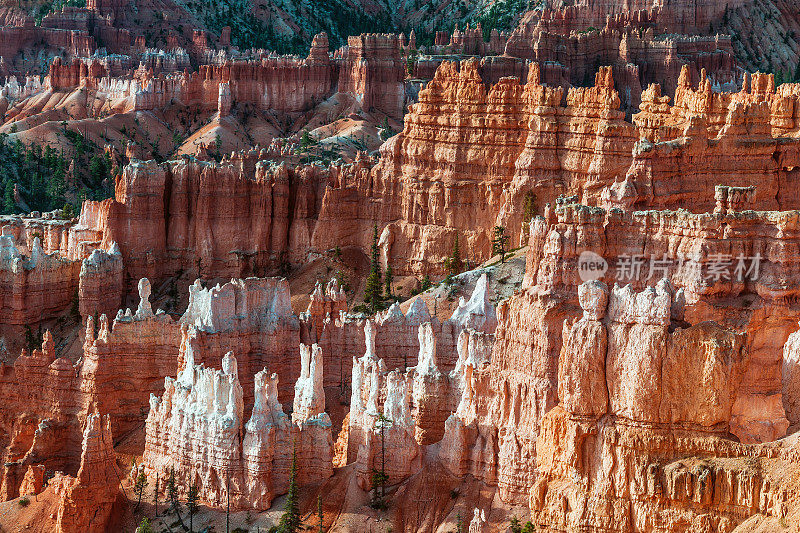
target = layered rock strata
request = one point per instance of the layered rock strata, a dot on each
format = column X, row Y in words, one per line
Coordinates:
column 435, row 177
column 662, row 414
column 101, row 283
column 252, row 317
column 381, row 431
column 86, row 501
column 35, row 287
column 547, row 376
column 197, row 432
column 126, row 361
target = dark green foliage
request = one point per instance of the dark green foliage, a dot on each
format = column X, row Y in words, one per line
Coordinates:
column 155, row 490
column 386, row 130
column 24, row 501
column 426, row 283
column 172, row 489
column 528, row 212
column 517, row 527
column 290, row 520
column 387, row 289
column 320, row 516
column 372, row 293
column 378, row 481
column 172, row 495
column 306, row 141
column 138, row 488
column 75, row 309
column 344, row 283
column 191, row 505
column 502, row 15
column 9, row 205
column 499, row 243
column 379, row 477
column 53, row 6
column 251, row 25
column 32, row 340
column 411, row 62
column 453, row 263
column 144, row 526
column 312, row 151
column 40, row 175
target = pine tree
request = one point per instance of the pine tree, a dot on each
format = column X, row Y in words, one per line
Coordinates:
column 191, row 505
column 372, row 293
column 517, row 527
column 290, row 521
column 144, row 526
column 155, row 492
column 319, row 514
column 172, row 490
column 379, row 477
column 138, row 488
column 453, row 263
column 9, row 204
column 30, row 339
column 499, row 241
column 172, row 493
column 426, row 283
column 460, row 524
column 387, row 289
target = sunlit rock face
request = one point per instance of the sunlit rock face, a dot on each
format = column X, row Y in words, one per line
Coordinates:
column 197, row 432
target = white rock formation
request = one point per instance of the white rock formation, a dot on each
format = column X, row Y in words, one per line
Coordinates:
column 309, row 395
column 240, row 303
column 145, row 309
column 418, row 313
column 197, row 427
column 593, row 298
column 478, row 520
column 478, row 313
column 474, row 349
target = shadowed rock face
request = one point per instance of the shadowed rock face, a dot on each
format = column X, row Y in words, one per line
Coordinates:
column 86, row 501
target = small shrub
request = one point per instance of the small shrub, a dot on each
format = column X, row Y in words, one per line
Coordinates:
column 24, row 501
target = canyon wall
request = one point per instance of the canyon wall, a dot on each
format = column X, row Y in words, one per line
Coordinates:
column 567, row 378
column 35, row 287
column 372, row 70
column 85, row 502
column 431, row 181
column 670, row 408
